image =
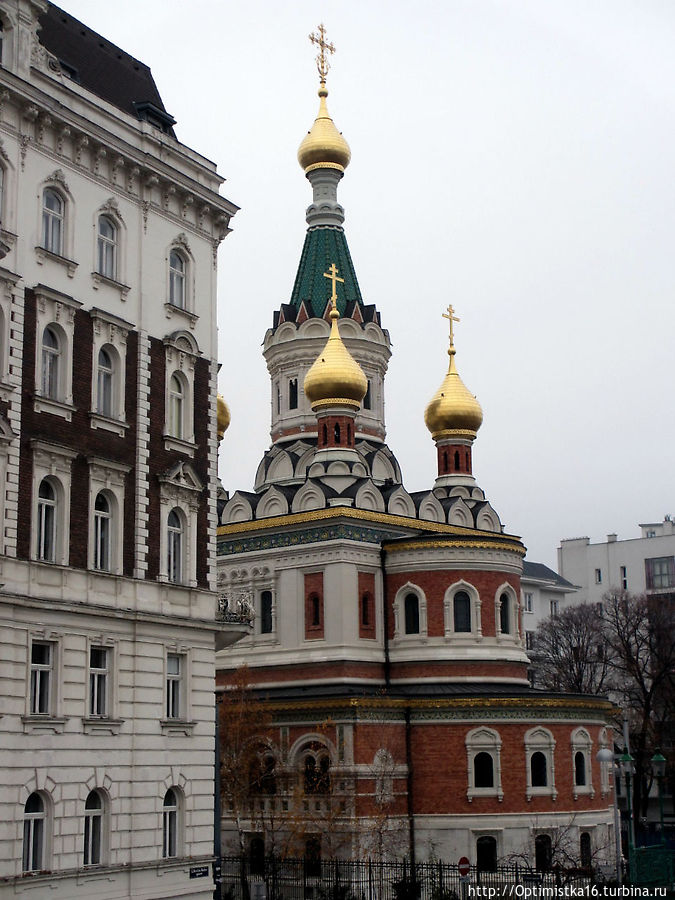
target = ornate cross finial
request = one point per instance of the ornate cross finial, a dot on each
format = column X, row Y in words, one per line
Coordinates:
column 322, row 63
column 451, row 317
column 332, row 273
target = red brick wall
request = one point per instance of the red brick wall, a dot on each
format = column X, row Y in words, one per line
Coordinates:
column 435, row 583
column 446, row 459
column 305, row 672
column 366, row 589
column 77, row 435
column 330, row 423
column 313, row 588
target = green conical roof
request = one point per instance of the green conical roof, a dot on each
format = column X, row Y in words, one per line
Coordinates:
column 324, row 246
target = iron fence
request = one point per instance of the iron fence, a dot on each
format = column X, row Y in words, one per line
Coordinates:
column 272, row 878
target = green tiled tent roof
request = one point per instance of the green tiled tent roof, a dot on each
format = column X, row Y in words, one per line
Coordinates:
column 324, row 246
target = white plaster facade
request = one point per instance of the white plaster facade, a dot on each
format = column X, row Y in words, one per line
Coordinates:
column 107, row 668
column 645, row 564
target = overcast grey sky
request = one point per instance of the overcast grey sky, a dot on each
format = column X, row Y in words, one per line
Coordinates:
column 513, row 157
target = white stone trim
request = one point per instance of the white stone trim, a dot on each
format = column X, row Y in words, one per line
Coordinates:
column 540, row 739
column 108, row 476
column 399, row 613
column 476, row 632
column 484, row 740
column 53, row 461
column 57, row 311
column 111, row 333
column 582, row 742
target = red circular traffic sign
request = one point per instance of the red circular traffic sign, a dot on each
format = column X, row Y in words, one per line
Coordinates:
column 464, row 865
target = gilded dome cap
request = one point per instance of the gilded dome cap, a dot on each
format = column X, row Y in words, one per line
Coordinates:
column 323, row 146
column 335, row 378
column 223, row 416
column 453, row 410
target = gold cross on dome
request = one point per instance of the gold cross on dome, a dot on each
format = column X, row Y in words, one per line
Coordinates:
column 322, row 63
column 332, row 273
column 451, row 317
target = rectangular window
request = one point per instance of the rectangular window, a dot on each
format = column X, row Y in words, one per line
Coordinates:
column 624, row 578
column 98, row 681
column 555, row 607
column 660, row 572
column 529, row 602
column 41, row 677
column 174, row 678
column 598, row 576
column 529, row 640
column 266, row 612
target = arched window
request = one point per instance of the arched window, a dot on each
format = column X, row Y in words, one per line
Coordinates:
column 177, row 268
column 46, row 522
column 538, row 769
column 461, row 611
column 317, row 772
column 293, row 393
column 93, row 829
column 543, row 852
column 107, row 248
column 456, row 460
column 504, row 614
column 486, row 853
column 52, row 221
column 50, row 364
column 170, row 824
column 336, row 431
column 325, row 435
column 104, row 383
column 366, row 400
column 483, row 769
column 365, row 610
column 315, row 604
column 579, row 769
column 34, row 828
column 175, row 547
column 266, row 612
column 585, row 851
column 102, row 532
column 176, row 406
column 412, row 614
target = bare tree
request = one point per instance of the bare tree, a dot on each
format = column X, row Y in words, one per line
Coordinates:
column 640, row 636
column 569, row 652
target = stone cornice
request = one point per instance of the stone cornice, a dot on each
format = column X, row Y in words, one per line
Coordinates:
column 132, row 166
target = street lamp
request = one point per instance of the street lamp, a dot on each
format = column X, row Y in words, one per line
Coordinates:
column 627, row 766
column 658, row 771
column 606, row 756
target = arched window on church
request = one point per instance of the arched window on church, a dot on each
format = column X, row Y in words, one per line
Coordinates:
column 461, row 612
column 293, row 393
column 543, row 852
column 504, row 614
column 412, row 614
column 337, row 433
column 456, row 460
column 483, row 770
column 325, row 435
column 538, row 769
column 579, row 769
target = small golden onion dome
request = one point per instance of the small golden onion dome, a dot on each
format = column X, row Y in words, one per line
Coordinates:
column 453, row 410
column 335, row 377
column 324, row 146
column 223, row 417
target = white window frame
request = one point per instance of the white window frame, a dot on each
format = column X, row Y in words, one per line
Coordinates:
column 581, row 742
column 95, row 819
column 41, row 674
column 186, row 310
column 474, row 608
column 107, row 247
column 53, row 462
column 172, row 825
column 110, row 333
column 528, row 601
column 47, row 520
column 99, row 683
column 177, row 695
column 175, row 545
column 177, row 279
column 484, row 740
column 175, row 686
column 399, row 613
column 29, row 828
column 541, row 740
column 56, row 311
column 513, row 607
column 51, row 721
column 53, row 222
column 180, row 488
column 108, row 477
column 181, row 354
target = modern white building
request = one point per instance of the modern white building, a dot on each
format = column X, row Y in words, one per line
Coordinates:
column 543, row 593
column 110, row 230
column 644, row 564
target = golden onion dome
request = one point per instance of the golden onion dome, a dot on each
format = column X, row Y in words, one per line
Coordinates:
column 323, row 146
column 223, row 417
column 335, row 378
column 453, row 410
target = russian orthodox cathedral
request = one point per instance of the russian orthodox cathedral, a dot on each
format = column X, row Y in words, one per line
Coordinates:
column 387, row 645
